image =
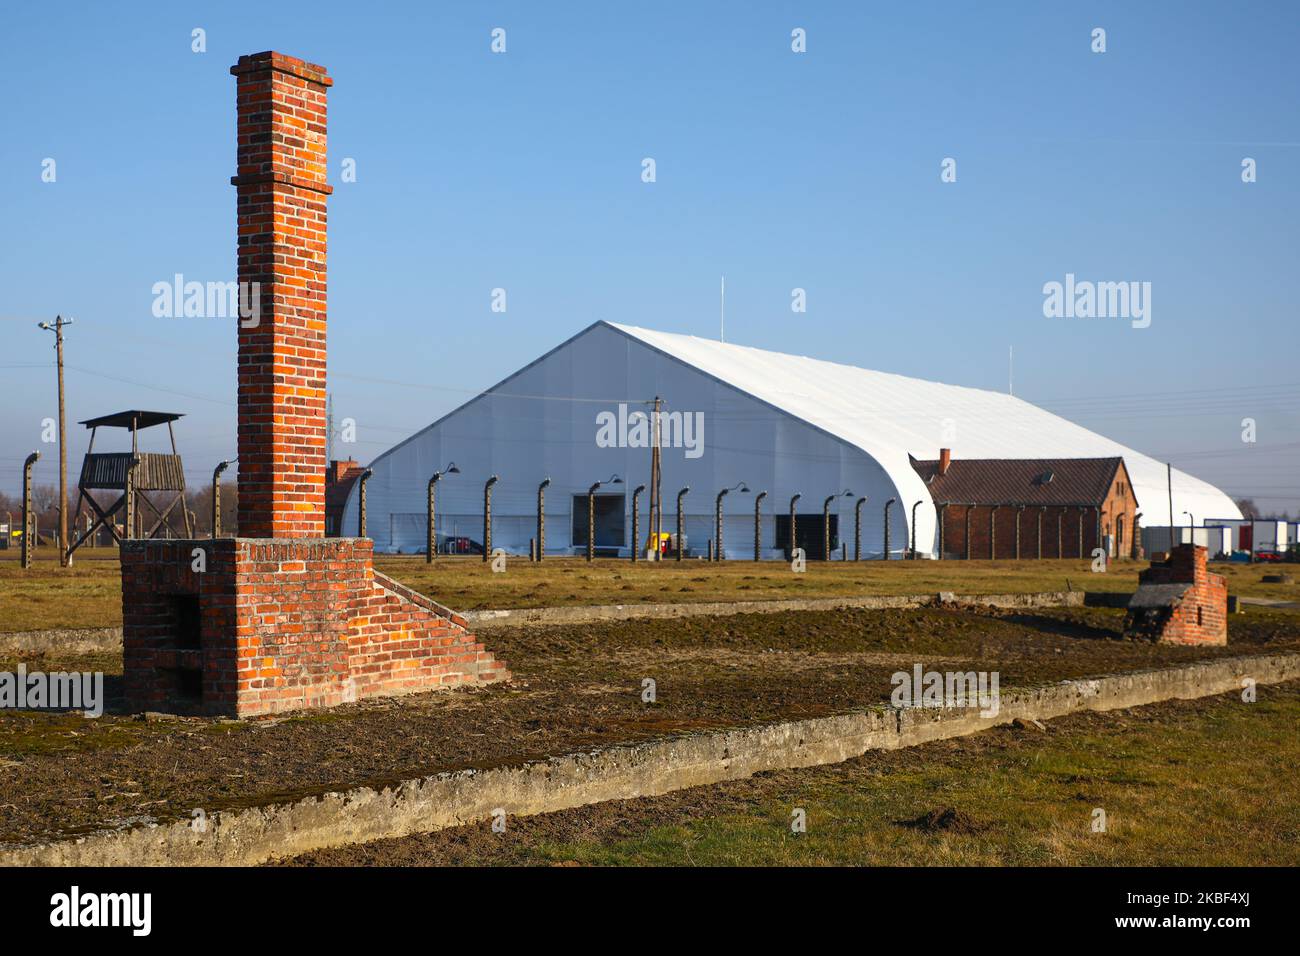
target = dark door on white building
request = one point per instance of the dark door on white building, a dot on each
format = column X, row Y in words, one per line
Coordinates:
column 611, row 534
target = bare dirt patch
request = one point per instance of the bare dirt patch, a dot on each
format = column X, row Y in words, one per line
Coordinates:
column 947, row 820
column 576, row 687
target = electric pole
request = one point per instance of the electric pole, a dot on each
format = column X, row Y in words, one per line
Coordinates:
column 329, row 427
column 656, row 495
column 57, row 328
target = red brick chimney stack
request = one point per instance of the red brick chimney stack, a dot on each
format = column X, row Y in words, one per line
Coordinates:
column 281, row 208
column 338, row 470
column 1187, row 562
column 282, row 618
column 945, row 459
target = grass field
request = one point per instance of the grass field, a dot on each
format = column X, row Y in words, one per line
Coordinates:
column 1015, row 796
column 575, row 687
column 89, row 593
column 1182, row 783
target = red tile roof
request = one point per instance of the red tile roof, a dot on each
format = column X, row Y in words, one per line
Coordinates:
column 1021, row 481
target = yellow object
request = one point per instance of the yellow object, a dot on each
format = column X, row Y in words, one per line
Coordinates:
column 664, row 541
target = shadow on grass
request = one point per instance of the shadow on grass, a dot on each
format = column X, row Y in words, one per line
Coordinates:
column 1074, row 629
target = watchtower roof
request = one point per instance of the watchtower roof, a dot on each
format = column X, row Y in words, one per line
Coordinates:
column 132, row 418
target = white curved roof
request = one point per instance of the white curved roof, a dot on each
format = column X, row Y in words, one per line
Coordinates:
column 892, row 416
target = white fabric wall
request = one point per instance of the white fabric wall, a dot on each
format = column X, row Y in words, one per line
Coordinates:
column 1216, row 539
column 542, row 423
column 892, row 416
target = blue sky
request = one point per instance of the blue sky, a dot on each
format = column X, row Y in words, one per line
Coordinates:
column 778, row 170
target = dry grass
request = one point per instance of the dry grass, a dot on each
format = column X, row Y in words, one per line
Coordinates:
column 89, row 593
column 1182, row 783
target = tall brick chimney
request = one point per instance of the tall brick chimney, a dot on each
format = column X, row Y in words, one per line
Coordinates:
column 281, row 208
column 945, row 459
column 282, row 618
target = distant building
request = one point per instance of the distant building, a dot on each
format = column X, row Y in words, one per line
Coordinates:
column 738, row 418
column 1221, row 537
column 340, row 476
column 1031, row 507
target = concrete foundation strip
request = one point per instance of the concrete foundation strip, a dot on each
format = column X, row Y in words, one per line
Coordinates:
column 622, row 612
column 91, row 639
column 82, row 640
column 88, row 640
column 250, row 836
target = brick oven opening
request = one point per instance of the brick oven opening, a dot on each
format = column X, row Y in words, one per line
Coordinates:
column 184, row 686
column 186, row 622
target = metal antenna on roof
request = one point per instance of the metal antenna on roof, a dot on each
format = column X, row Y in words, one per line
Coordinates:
column 1169, row 480
column 722, row 309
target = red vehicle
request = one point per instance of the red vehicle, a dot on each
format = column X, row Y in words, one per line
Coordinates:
column 1268, row 557
column 458, row 544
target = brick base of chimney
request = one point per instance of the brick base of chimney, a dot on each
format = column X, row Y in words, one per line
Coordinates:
column 1180, row 601
column 261, row 626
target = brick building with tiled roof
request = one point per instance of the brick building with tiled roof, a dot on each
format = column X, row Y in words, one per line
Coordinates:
column 1031, row 507
column 340, row 476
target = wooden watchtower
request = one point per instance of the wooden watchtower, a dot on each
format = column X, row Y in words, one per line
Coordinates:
column 131, row 474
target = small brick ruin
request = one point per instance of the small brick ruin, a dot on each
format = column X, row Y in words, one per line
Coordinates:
column 1179, row 601
column 281, row 618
